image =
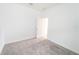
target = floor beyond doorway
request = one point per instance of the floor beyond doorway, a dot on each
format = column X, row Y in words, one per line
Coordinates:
column 35, row 47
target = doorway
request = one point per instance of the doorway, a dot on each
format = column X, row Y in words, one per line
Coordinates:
column 42, row 27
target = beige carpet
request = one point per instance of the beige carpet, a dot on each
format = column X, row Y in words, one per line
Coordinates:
column 35, row 47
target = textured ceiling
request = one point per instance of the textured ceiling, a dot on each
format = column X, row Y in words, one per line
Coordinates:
column 40, row 6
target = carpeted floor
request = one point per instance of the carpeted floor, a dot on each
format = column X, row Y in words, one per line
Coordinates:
column 35, row 47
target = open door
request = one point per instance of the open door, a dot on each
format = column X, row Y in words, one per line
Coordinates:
column 42, row 27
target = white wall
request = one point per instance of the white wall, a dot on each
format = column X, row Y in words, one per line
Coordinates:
column 1, row 29
column 19, row 22
column 63, row 25
column 1, row 40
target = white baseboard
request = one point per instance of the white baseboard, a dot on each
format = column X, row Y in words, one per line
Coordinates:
column 2, row 45
column 31, row 37
column 65, row 47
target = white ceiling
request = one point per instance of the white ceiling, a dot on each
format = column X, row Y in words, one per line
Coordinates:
column 40, row 6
